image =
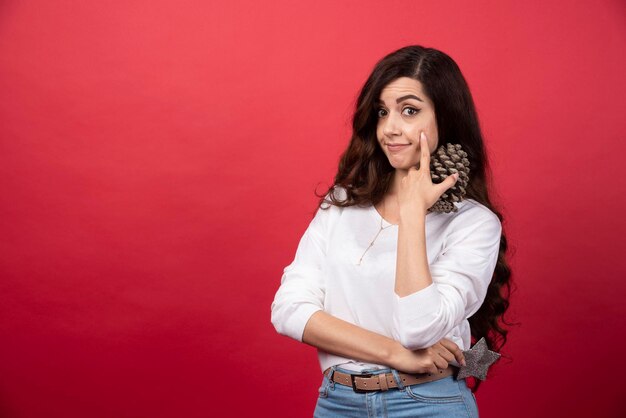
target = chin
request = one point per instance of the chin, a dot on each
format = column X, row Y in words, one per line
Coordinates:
column 402, row 163
column 401, row 166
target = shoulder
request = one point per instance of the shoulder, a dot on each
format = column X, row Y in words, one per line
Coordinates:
column 473, row 208
column 474, row 229
column 472, row 213
column 327, row 213
column 338, row 194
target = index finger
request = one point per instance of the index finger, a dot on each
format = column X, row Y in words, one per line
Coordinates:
column 454, row 349
column 425, row 151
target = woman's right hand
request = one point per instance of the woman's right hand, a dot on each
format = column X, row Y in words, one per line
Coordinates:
column 427, row 360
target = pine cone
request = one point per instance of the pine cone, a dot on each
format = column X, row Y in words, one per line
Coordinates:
column 449, row 159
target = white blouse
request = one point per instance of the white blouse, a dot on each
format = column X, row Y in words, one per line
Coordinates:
column 462, row 249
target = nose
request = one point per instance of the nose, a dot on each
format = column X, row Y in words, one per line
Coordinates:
column 391, row 125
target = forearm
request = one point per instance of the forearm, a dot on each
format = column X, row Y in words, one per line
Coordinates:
column 342, row 338
column 412, row 272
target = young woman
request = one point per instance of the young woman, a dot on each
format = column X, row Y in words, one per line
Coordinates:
column 389, row 292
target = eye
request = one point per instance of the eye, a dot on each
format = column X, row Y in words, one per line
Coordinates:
column 410, row 111
column 381, row 113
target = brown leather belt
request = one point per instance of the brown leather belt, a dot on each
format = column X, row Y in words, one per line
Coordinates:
column 385, row 381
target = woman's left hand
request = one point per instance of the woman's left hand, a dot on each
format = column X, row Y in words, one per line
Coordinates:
column 417, row 192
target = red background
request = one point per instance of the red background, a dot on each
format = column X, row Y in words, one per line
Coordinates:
column 157, row 168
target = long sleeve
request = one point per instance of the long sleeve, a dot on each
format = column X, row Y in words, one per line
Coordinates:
column 302, row 288
column 461, row 275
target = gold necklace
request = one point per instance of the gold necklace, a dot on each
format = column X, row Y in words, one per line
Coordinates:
column 377, row 234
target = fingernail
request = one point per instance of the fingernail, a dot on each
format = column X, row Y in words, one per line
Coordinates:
column 463, row 362
column 423, row 135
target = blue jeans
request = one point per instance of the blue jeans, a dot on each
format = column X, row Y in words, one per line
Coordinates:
column 445, row 397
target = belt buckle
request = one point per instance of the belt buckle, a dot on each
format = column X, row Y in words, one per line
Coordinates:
column 354, row 388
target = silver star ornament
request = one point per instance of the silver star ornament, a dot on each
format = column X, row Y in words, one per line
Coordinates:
column 478, row 359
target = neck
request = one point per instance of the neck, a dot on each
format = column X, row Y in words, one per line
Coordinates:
column 396, row 179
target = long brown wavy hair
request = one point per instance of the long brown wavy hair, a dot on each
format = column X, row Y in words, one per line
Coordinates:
column 365, row 173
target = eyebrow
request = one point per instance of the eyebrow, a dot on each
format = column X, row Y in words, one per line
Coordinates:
column 408, row 96
column 400, row 99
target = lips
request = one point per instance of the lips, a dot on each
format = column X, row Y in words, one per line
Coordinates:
column 397, row 147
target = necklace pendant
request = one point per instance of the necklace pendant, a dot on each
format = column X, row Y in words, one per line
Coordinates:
column 380, row 229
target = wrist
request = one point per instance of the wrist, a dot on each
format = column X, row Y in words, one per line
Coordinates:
column 412, row 217
column 393, row 351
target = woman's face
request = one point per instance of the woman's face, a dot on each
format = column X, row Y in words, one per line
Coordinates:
column 404, row 111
